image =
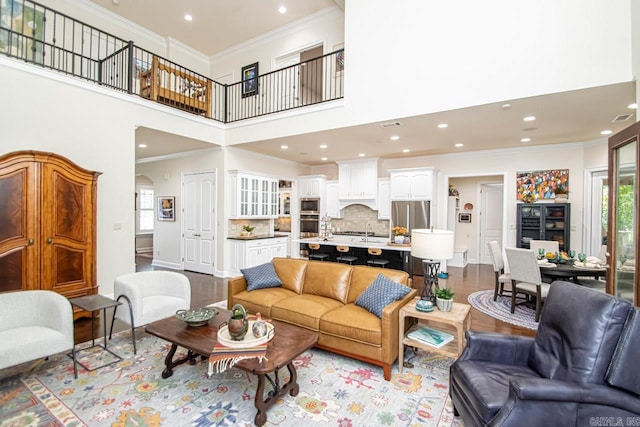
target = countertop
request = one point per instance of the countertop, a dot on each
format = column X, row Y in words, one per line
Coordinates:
column 357, row 242
column 257, row 237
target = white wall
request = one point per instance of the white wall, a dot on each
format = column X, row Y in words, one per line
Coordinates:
column 425, row 56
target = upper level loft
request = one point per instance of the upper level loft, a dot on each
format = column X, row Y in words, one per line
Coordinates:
column 44, row 37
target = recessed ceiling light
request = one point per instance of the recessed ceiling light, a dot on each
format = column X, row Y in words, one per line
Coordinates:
column 361, row 155
column 188, row 17
column 633, row 106
column 324, row 158
column 282, row 9
column 505, row 106
column 394, row 138
column 606, row 132
column 323, row 146
column 406, row 150
column 284, row 147
column 142, row 145
column 459, row 145
column 443, row 125
column 525, row 140
column 529, row 118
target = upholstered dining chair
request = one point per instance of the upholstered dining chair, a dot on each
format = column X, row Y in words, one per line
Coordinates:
column 502, row 279
column 580, row 367
column 150, row 296
column 548, row 246
column 526, row 278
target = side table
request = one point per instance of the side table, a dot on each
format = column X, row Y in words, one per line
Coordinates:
column 93, row 303
column 459, row 318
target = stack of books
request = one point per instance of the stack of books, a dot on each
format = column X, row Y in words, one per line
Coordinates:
column 430, row 336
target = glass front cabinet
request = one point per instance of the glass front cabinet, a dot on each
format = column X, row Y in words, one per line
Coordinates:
column 544, row 221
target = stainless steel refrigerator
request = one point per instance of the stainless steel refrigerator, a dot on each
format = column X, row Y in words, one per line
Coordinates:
column 411, row 214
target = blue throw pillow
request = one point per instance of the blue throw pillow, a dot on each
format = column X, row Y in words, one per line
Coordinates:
column 261, row 277
column 382, row 292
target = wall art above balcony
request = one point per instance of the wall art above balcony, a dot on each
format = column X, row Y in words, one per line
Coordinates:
column 250, row 80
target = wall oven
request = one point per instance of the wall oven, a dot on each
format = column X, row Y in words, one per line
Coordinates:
column 309, row 225
column 310, row 206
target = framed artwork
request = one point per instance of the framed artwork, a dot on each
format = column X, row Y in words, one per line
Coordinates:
column 166, row 208
column 250, row 80
column 339, row 49
column 543, row 184
column 464, row 217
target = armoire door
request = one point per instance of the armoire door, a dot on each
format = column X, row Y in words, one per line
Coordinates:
column 19, row 231
column 67, row 229
column 622, row 236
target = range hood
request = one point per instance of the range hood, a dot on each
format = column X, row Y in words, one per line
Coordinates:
column 358, row 183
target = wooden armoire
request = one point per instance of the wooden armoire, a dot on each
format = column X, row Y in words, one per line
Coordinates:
column 47, row 224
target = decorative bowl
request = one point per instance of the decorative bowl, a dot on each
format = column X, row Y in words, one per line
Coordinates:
column 196, row 316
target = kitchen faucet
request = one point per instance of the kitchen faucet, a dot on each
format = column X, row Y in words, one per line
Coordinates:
column 367, row 230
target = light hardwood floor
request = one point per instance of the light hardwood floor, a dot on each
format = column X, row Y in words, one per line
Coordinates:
column 207, row 289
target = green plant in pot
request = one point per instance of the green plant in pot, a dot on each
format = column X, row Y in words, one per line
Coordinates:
column 247, row 229
column 444, row 298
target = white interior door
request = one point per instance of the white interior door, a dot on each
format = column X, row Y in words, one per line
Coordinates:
column 199, row 222
column 491, row 224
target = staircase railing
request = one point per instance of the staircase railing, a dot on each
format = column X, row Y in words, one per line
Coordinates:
column 44, row 37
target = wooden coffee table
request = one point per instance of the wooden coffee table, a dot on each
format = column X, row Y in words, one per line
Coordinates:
column 287, row 344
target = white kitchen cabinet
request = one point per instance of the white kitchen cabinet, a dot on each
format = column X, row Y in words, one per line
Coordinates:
column 333, row 202
column 311, row 186
column 249, row 253
column 252, row 196
column 384, row 198
column 358, row 179
column 412, row 184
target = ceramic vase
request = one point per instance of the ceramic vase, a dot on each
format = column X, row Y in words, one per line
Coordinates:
column 238, row 323
column 398, row 240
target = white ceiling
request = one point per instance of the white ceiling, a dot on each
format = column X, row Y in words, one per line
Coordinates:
column 220, row 24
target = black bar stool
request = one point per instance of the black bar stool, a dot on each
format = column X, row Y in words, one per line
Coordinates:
column 374, row 261
column 313, row 247
column 345, row 257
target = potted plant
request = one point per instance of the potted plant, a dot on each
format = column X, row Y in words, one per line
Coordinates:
column 246, row 230
column 561, row 194
column 444, row 298
column 399, row 234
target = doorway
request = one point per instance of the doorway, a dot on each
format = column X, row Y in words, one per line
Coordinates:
column 491, row 218
column 198, row 221
column 311, row 76
column 300, row 84
column 596, row 211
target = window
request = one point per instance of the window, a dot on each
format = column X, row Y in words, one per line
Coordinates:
column 146, row 208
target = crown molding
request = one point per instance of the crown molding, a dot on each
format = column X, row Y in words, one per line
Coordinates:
column 271, row 35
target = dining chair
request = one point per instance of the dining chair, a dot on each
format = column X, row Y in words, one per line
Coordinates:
column 502, row 278
column 548, row 246
column 526, row 278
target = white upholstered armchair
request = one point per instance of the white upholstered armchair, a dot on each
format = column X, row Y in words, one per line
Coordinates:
column 150, row 296
column 33, row 325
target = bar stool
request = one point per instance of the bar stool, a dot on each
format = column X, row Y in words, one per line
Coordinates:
column 313, row 247
column 374, row 261
column 345, row 258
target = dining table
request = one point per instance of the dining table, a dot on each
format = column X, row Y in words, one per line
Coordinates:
column 572, row 270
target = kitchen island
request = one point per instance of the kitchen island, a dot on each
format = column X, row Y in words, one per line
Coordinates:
column 399, row 256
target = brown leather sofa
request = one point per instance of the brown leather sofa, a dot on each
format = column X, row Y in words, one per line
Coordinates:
column 320, row 296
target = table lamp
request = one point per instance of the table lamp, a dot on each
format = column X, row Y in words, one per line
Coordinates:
column 432, row 246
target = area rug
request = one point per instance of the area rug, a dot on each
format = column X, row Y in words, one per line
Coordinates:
column 334, row 390
column 501, row 309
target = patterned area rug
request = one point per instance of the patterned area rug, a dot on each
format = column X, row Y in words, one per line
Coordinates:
column 334, row 390
column 501, row 309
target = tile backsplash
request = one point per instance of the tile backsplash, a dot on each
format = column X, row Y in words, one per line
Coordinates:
column 356, row 217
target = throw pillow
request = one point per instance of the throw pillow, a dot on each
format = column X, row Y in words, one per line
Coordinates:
column 261, row 277
column 380, row 293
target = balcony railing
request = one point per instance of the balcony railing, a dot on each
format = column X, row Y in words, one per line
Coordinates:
column 44, row 37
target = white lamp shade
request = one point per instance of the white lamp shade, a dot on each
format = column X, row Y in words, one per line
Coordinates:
column 432, row 244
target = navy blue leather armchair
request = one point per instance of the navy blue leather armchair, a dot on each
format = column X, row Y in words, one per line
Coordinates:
column 581, row 366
